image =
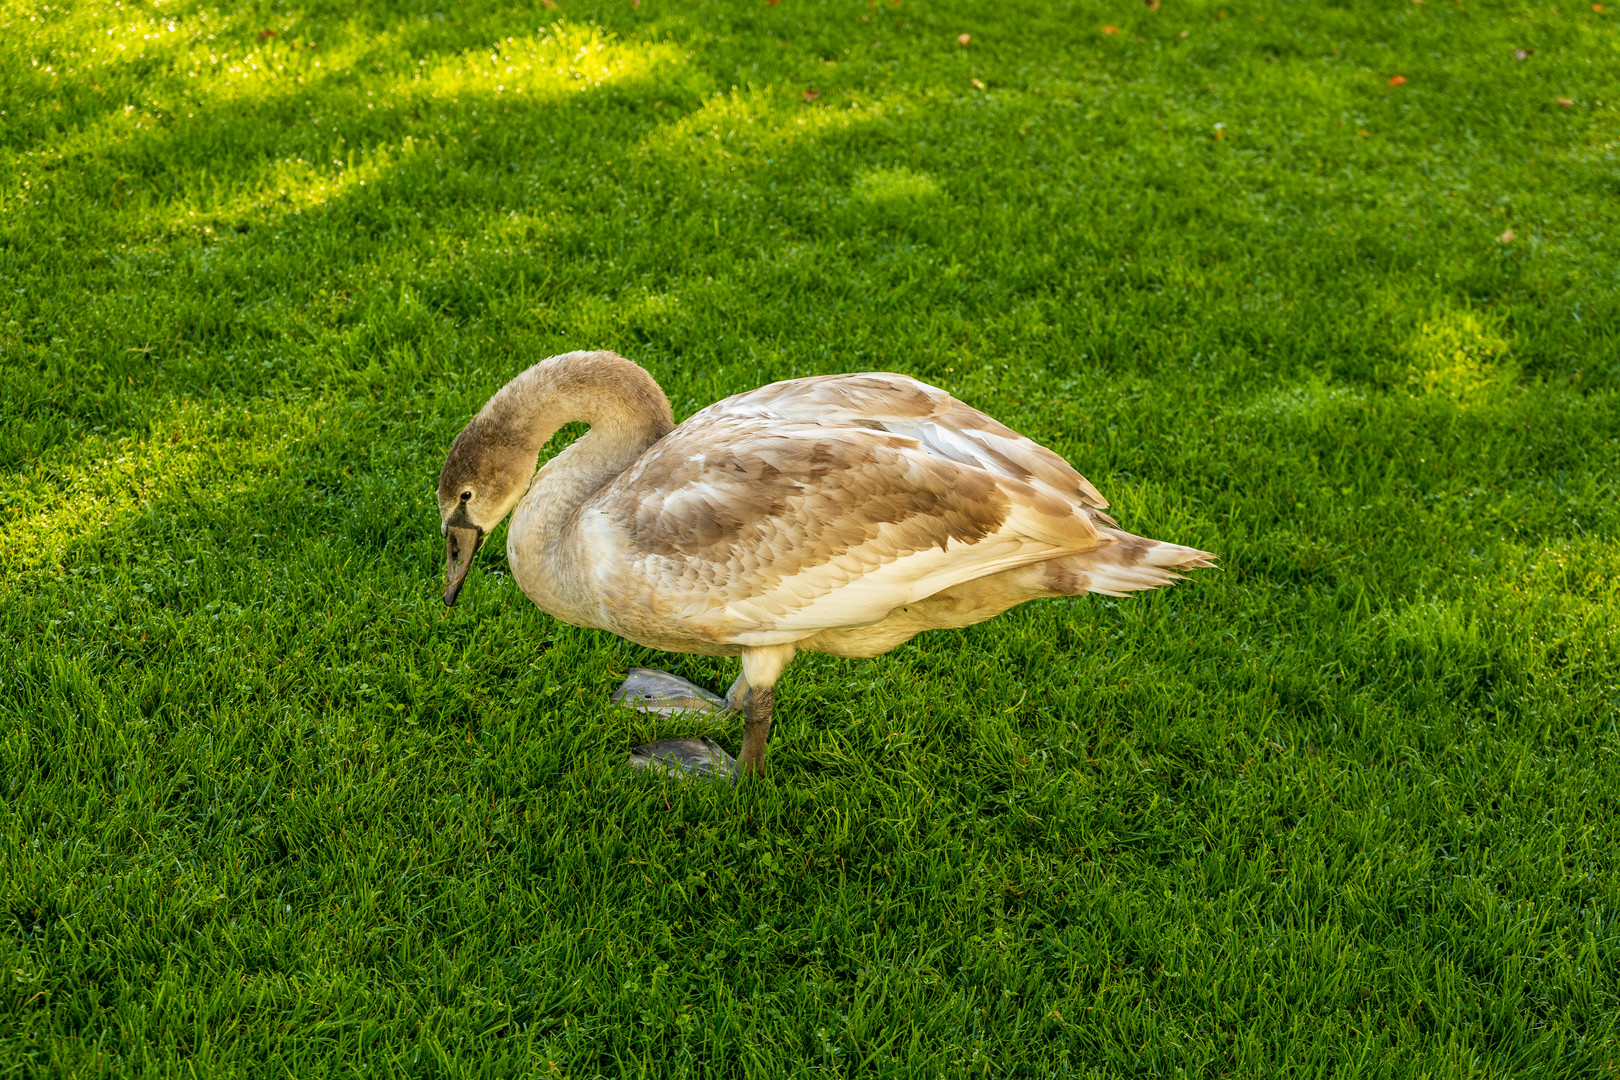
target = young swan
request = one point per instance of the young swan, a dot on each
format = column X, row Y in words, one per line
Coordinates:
column 840, row 514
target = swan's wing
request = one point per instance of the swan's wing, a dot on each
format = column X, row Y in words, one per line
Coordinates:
column 885, row 401
column 761, row 530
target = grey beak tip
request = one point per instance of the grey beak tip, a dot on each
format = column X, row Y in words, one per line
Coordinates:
column 460, row 547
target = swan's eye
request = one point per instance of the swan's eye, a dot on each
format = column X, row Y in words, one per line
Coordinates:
column 465, row 495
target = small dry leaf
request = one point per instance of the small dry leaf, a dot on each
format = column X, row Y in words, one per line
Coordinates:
column 772, row 3
column 811, row 95
column 549, row 5
column 979, row 84
column 635, row 3
column 1184, row 33
column 1397, row 80
column 1505, row 238
column 963, row 39
column 1110, row 30
column 1564, row 102
column 1152, row 5
column 1220, row 131
column 1362, row 132
column 1523, row 54
column 266, row 34
column 1598, row 8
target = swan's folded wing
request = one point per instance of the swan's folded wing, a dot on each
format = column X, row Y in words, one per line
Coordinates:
column 885, row 401
column 757, row 531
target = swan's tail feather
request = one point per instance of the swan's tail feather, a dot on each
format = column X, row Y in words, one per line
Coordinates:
column 1125, row 565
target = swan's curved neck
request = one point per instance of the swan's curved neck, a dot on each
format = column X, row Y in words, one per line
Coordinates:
column 624, row 407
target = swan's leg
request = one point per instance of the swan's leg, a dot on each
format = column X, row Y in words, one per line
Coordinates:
column 756, row 729
column 659, row 692
column 761, row 667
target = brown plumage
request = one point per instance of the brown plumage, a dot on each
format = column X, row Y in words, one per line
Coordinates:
column 840, row 514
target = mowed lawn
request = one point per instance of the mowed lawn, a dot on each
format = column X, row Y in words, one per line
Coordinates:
column 1329, row 290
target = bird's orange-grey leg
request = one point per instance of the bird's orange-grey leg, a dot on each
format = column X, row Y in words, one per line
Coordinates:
column 761, row 667
column 756, row 729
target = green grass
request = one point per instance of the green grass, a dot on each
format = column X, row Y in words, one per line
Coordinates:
column 1347, row 807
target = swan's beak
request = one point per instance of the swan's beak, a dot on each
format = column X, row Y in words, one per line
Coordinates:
column 459, row 547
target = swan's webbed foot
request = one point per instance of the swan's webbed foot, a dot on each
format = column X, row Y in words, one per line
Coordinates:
column 664, row 694
column 685, row 758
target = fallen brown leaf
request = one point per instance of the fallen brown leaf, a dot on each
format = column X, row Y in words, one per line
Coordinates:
column 963, row 39
column 1152, row 5
column 811, row 95
column 1523, row 54
column 1505, row 238
column 266, row 34
column 1397, row 80
column 1110, row 30
column 1564, row 102
column 978, row 83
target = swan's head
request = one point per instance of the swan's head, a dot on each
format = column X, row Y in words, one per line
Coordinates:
column 482, row 479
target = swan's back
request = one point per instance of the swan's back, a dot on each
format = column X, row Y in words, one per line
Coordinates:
column 816, row 504
column 883, row 400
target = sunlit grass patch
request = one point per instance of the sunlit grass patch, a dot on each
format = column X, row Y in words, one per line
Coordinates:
column 1462, row 355
column 569, row 56
column 748, row 128
column 1585, row 568
column 208, row 56
column 1548, row 612
column 375, row 87
column 195, row 456
column 895, row 186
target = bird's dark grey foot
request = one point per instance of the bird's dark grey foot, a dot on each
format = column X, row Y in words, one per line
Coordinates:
column 664, row 694
column 685, row 757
